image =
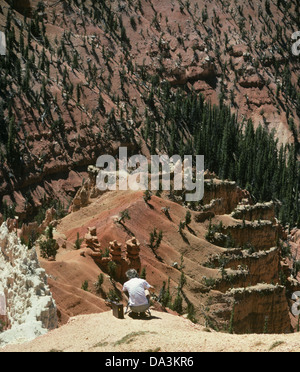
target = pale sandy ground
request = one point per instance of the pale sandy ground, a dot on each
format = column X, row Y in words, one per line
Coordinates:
column 163, row 332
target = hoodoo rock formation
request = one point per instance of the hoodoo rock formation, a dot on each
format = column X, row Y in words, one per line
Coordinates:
column 114, row 256
column 133, row 254
column 91, row 242
column 121, row 261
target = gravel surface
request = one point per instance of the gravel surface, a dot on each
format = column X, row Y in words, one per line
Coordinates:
column 162, row 332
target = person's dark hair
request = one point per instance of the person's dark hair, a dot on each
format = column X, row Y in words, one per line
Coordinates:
column 131, row 274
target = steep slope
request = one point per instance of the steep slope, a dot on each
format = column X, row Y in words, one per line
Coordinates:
column 83, row 77
column 216, row 264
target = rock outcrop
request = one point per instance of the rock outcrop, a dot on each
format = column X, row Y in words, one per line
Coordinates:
column 4, row 321
column 91, row 240
column 30, row 231
column 203, row 71
column 222, row 197
column 258, row 309
column 259, row 211
column 88, row 190
column 29, row 306
column 133, row 253
column 250, row 293
column 130, row 259
column 247, row 269
column 122, row 260
column 259, row 234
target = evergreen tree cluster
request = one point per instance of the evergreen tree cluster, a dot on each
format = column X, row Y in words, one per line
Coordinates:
column 233, row 150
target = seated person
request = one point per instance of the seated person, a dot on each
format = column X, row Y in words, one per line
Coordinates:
column 138, row 292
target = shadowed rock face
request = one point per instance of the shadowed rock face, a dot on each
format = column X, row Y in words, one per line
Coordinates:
column 259, row 309
column 23, row 7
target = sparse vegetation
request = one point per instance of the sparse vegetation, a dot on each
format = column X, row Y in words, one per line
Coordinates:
column 85, row 286
column 124, row 215
column 165, row 297
column 231, row 322
column 166, row 211
column 113, row 296
column 78, row 242
column 131, row 337
column 155, row 239
column 99, row 282
column 177, row 304
column 112, row 267
column 147, row 196
column 188, row 218
column 276, row 344
column 49, row 247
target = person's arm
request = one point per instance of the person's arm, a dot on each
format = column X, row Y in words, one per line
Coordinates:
column 126, row 294
column 125, row 291
column 149, row 287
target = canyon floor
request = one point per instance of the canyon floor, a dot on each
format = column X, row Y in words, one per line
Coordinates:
column 162, row 332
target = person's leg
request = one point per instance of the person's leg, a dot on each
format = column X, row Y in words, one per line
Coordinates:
column 140, row 310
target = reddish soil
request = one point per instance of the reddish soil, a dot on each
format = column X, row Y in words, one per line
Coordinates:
column 73, row 267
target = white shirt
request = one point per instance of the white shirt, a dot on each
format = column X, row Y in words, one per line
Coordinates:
column 136, row 289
